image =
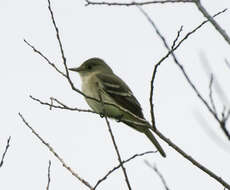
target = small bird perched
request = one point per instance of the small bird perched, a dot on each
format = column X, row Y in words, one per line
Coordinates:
column 118, row 101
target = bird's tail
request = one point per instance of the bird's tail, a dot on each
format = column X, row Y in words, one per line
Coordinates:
column 143, row 128
column 155, row 142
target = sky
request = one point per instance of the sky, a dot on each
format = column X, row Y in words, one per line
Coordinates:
column 124, row 38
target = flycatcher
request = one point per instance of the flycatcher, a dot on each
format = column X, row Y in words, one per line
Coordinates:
column 115, row 99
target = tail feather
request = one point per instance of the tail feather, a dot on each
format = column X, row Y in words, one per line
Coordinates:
column 144, row 129
column 155, row 142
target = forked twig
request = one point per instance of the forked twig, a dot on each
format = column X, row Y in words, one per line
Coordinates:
column 169, row 142
column 123, row 162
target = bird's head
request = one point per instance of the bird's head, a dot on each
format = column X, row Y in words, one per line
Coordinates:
column 92, row 65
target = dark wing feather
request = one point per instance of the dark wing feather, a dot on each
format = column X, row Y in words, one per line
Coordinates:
column 121, row 93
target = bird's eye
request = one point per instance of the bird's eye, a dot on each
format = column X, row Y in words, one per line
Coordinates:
column 89, row 67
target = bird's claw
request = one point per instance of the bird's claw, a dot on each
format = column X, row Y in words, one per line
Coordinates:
column 118, row 118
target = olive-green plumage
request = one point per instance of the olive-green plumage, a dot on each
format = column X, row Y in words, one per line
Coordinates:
column 97, row 76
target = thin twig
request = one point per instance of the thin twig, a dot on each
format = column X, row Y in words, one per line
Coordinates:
column 171, row 52
column 114, row 142
column 55, row 153
column 60, row 106
column 212, row 21
column 177, row 37
column 4, row 153
column 154, row 167
column 48, row 176
column 174, row 146
column 223, row 120
column 88, row 2
column 66, row 68
column 141, row 122
column 44, row 57
column 76, row 89
column 192, row 160
column 211, row 94
column 118, row 154
column 123, row 162
column 58, row 38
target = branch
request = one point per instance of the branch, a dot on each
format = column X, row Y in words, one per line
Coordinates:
column 114, row 142
column 58, row 38
column 212, row 21
column 4, row 153
column 45, row 57
column 211, row 94
column 133, row 3
column 154, row 129
column 123, row 162
column 171, row 52
column 192, row 160
column 175, row 148
column 48, row 175
column 60, row 105
column 158, row 173
column 67, row 73
column 224, row 115
column 142, row 122
column 55, row 153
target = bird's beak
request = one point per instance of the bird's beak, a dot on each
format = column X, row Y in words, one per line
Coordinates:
column 76, row 69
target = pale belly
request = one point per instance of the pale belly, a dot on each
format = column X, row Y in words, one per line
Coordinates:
column 111, row 111
column 98, row 107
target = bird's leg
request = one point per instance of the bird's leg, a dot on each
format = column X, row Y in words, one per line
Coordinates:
column 119, row 117
column 101, row 115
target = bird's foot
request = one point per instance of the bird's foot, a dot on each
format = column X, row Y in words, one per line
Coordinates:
column 102, row 115
column 119, row 118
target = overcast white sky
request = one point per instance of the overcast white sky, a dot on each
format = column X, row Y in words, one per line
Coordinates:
column 127, row 42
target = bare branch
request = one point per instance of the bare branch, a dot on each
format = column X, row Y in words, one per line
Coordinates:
column 192, row 160
column 211, row 94
column 168, row 141
column 114, row 142
column 215, row 84
column 48, row 175
column 154, row 167
column 223, row 120
column 4, row 153
column 44, row 57
column 55, row 153
column 62, row 54
column 123, row 162
column 59, row 39
column 212, row 21
column 171, row 52
column 133, row 3
column 177, row 37
column 75, row 89
column 67, row 74
column 60, row 105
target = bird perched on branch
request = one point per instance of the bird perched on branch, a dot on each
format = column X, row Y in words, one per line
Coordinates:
column 113, row 97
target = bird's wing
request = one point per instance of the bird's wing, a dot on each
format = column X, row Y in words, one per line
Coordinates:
column 120, row 93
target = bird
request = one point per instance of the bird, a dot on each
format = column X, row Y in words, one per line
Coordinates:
column 113, row 97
